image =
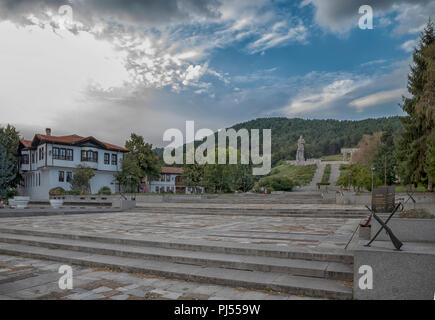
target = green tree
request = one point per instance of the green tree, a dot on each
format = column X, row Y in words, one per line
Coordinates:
column 418, row 124
column 11, row 138
column 146, row 159
column 430, row 159
column 7, row 170
column 359, row 176
column 193, row 175
column 131, row 174
column 385, row 158
column 243, row 178
column 81, row 178
column 218, row 177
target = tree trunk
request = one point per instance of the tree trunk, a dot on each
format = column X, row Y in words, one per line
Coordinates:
column 429, row 185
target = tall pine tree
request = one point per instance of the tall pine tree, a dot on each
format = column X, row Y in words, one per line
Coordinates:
column 418, row 124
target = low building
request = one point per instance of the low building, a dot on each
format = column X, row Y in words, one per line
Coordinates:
column 171, row 181
column 49, row 161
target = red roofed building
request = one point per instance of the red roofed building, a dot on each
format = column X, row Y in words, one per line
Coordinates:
column 49, row 161
column 171, row 182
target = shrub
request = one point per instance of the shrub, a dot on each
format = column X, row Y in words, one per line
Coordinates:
column 73, row 192
column 11, row 193
column 57, row 191
column 80, row 179
column 105, row 191
column 277, row 183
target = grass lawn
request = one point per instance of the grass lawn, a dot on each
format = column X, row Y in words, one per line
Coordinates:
column 300, row 174
column 326, row 174
column 334, row 157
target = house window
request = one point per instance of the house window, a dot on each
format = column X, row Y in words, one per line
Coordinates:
column 61, row 176
column 162, row 177
column 33, row 157
column 106, row 158
column 25, row 159
column 69, row 176
column 62, row 154
column 55, row 153
column 89, row 155
column 41, row 153
column 39, row 179
column 168, row 177
column 114, row 159
column 69, row 154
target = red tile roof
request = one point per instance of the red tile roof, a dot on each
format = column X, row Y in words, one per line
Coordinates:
column 26, row 143
column 72, row 140
column 172, row 170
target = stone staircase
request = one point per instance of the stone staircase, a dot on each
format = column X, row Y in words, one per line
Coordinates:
column 283, row 198
column 312, row 186
column 243, row 210
column 302, row 271
column 335, row 173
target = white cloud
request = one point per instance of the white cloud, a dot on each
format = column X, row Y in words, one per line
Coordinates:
column 409, row 45
column 378, row 98
column 45, row 73
column 340, row 16
column 323, row 99
column 281, row 35
column 373, row 62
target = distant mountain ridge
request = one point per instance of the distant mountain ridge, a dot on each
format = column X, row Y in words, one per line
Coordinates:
column 322, row 137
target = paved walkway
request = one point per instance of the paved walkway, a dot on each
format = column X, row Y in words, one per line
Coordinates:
column 23, row 278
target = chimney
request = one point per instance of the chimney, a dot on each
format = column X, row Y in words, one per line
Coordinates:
column 48, row 132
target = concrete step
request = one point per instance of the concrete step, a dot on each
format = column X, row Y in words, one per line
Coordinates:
column 275, row 281
column 260, row 201
column 300, row 253
column 324, row 213
column 318, row 269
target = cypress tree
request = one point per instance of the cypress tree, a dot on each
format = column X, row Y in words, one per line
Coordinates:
column 7, row 167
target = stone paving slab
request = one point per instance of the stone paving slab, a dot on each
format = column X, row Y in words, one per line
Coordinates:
column 109, row 285
column 253, row 230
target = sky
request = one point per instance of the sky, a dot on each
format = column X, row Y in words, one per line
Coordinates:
column 108, row 68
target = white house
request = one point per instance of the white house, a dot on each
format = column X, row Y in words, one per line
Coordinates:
column 49, row 161
column 171, row 181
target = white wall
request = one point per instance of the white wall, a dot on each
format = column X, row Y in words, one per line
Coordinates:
column 48, row 169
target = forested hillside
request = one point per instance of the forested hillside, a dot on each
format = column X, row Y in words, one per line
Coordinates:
column 322, row 137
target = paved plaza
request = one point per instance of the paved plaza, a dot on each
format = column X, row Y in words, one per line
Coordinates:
column 261, row 230
column 23, row 278
column 26, row 276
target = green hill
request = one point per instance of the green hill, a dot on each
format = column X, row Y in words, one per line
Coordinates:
column 322, row 137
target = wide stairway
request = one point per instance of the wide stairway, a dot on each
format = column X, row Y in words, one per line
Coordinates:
column 284, row 198
column 299, row 271
column 312, row 186
column 243, row 209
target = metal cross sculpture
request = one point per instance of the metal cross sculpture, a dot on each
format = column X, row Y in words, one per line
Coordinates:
column 396, row 242
column 410, row 190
